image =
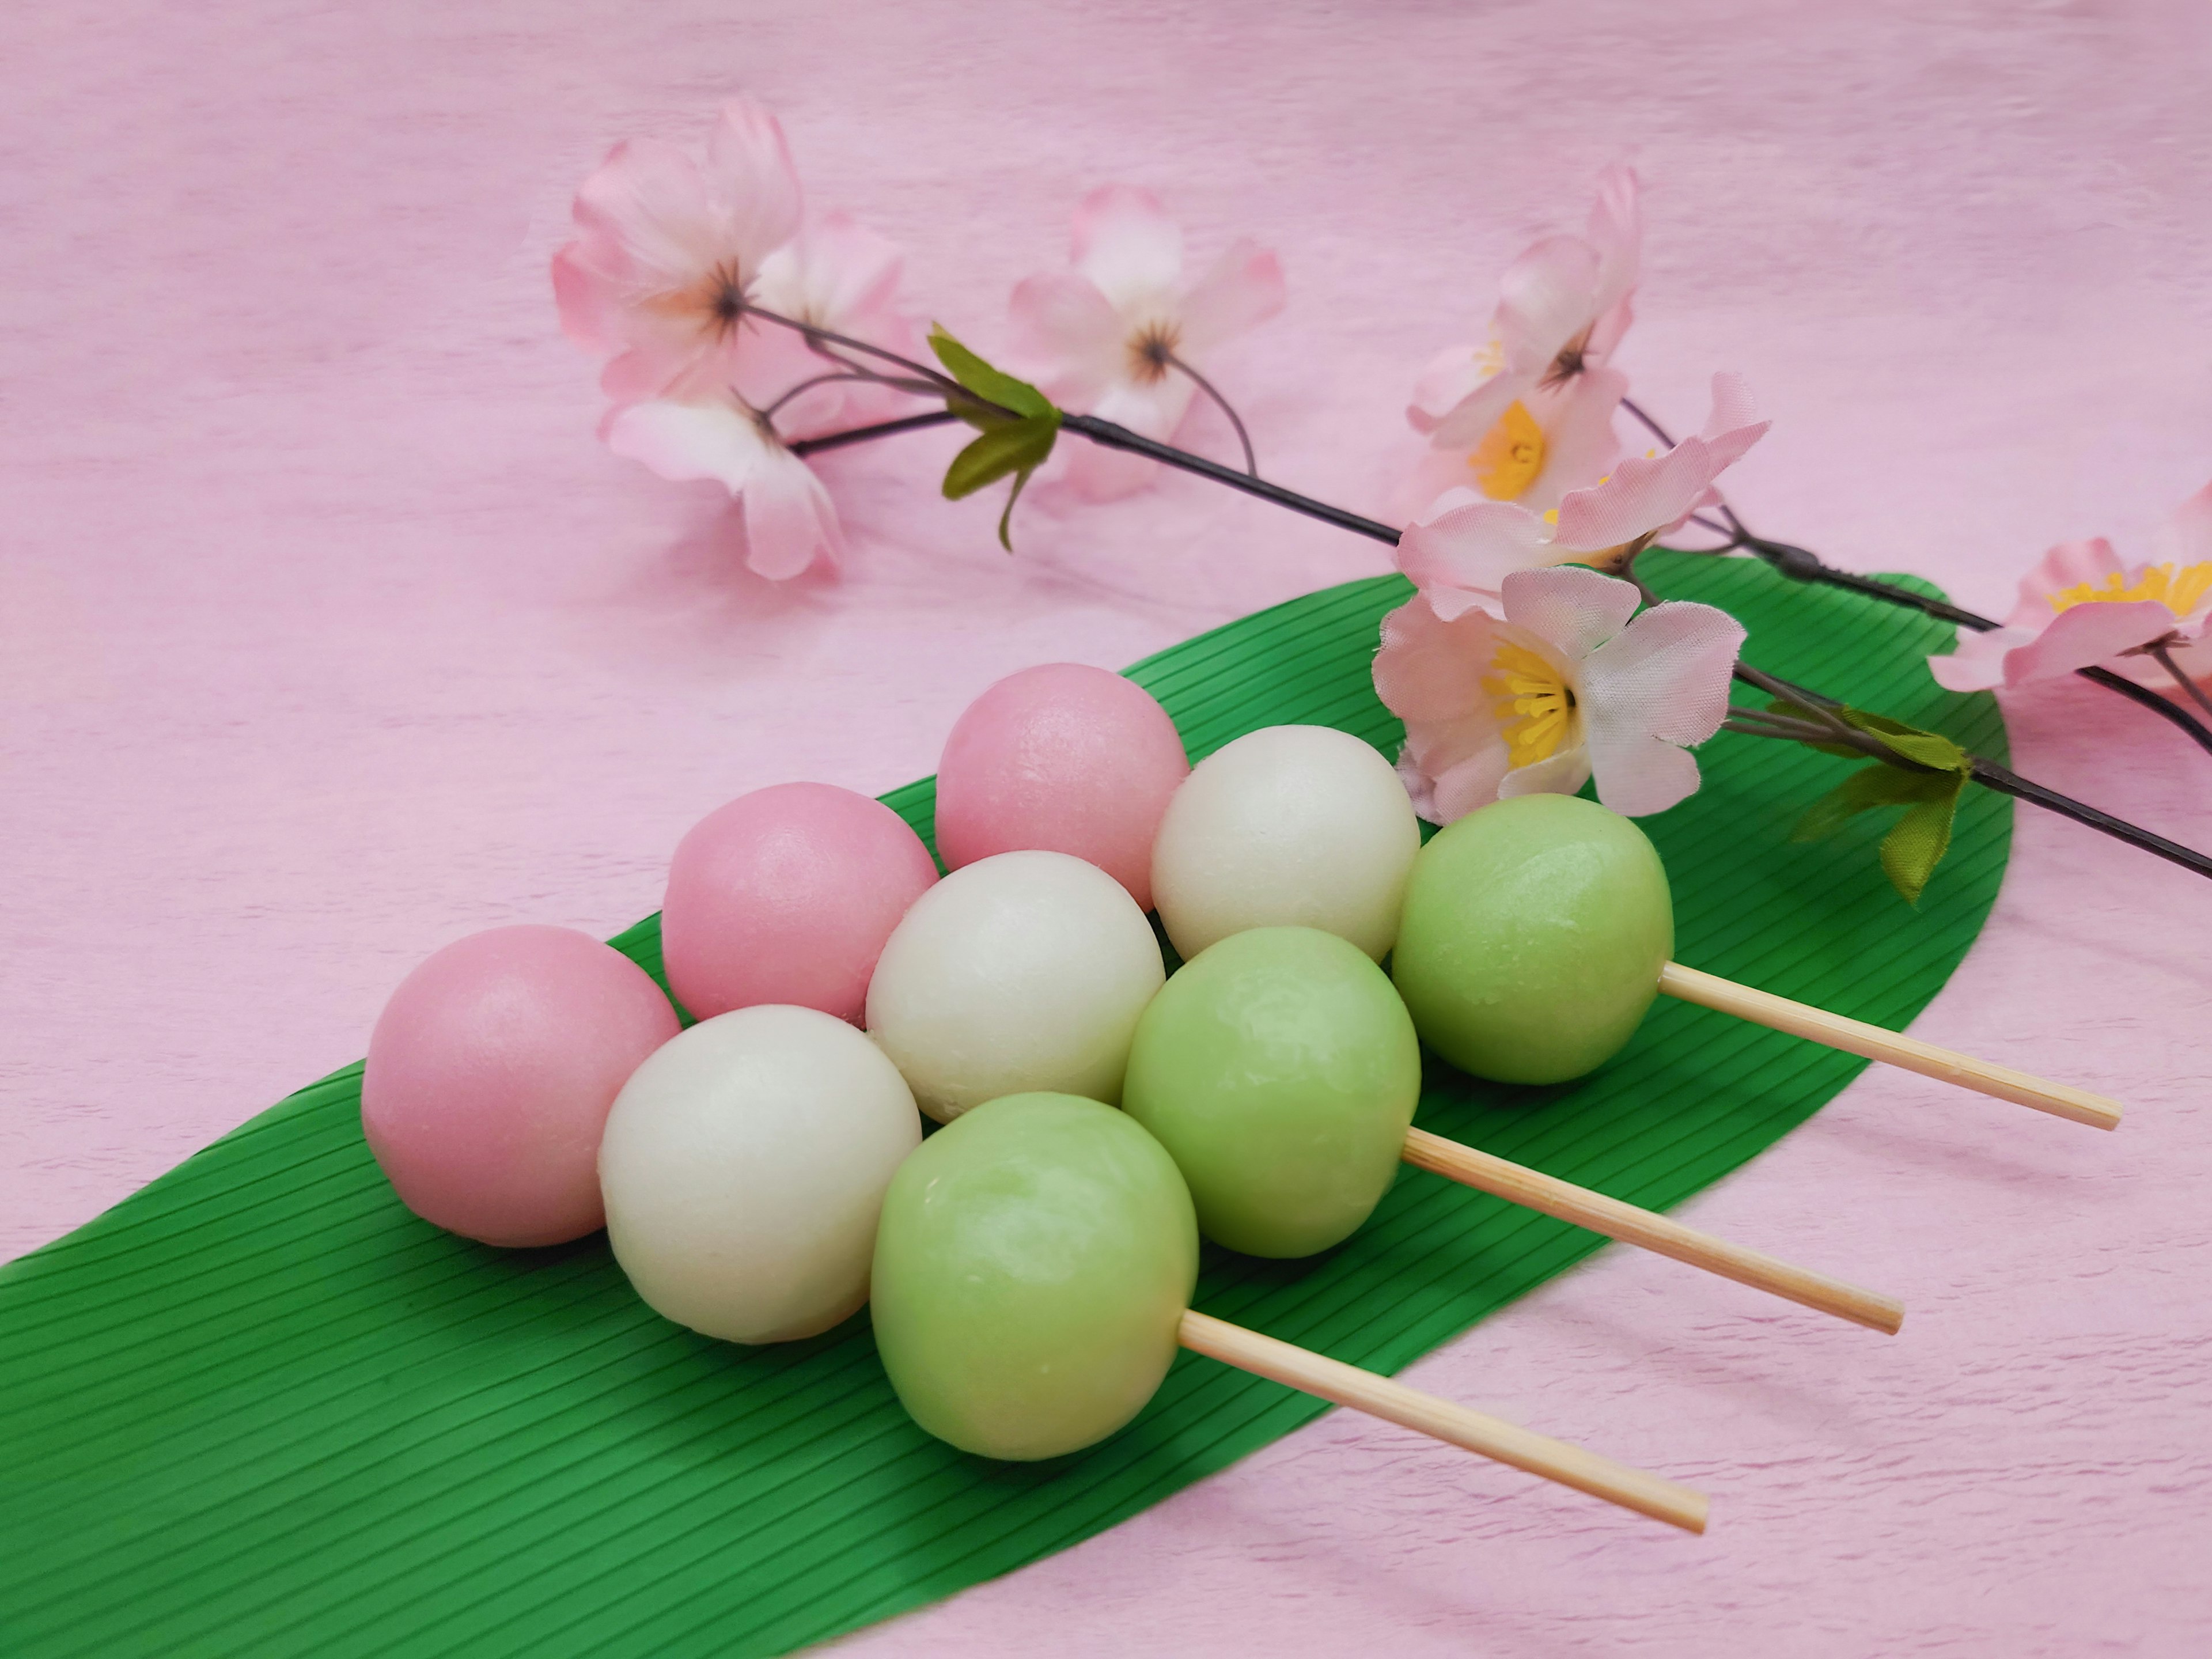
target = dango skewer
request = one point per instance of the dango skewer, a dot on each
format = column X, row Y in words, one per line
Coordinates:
column 1537, row 932
column 1529, row 938
column 1032, row 1276
column 1280, row 1071
column 1856, row 1037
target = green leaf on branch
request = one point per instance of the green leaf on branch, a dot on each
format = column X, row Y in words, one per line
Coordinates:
column 993, row 385
column 1018, row 447
column 1926, row 748
column 1016, row 423
column 1917, row 843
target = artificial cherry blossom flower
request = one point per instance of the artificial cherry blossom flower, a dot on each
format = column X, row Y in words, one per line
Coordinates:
column 1565, row 687
column 789, row 521
column 1462, row 552
column 835, row 275
column 1106, row 337
column 2081, row 606
column 671, row 250
column 1529, row 413
column 1556, row 438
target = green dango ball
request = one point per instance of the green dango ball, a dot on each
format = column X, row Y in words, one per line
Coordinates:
column 1533, row 937
column 1032, row 1265
column 1279, row 1069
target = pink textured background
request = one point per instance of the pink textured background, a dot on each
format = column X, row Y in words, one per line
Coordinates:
column 327, row 633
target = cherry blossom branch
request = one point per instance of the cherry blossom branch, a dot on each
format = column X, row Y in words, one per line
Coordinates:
column 1751, row 723
column 1804, row 566
column 818, row 337
column 789, row 392
column 1990, row 774
column 1112, row 436
column 2164, row 653
column 860, row 435
column 1251, row 465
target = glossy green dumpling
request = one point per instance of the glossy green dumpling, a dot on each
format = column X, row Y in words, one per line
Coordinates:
column 1533, row 937
column 1033, row 1261
column 1279, row 1069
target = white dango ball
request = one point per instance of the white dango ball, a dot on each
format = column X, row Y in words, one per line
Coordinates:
column 743, row 1166
column 1021, row 972
column 1290, row 826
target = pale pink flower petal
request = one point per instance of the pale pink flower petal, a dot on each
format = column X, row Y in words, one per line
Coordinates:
column 2070, row 564
column 1465, row 550
column 1560, row 774
column 1562, row 307
column 682, row 442
column 837, row 274
column 2078, row 637
column 2187, row 536
column 1461, row 383
column 1125, row 242
column 1580, row 444
column 646, row 218
column 1575, row 610
column 1418, row 789
column 1462, row 426
column 1661, row 684
column 1473, row 783
column 1547, row 301
column 755, row 184
column 1097, row 338
column 589, row 299
column 1616, row 231
column 1575, row 416
column 1430, row 670
column 789, row 519
column 2055, row 629
column 662, row 246
column 1243, row 289
column 1069, row 334
column 1651, row 495
column 1632, row 689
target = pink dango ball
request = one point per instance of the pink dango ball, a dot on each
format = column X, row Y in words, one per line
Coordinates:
column 1061, row 758
column 490, row 1073
column 786, row 896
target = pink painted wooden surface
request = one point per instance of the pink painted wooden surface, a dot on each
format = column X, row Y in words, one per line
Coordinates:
column 327, row 633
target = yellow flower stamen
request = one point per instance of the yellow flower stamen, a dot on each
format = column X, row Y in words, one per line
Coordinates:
column 2179, row 590
column 1534, row 702
column 1509, row 456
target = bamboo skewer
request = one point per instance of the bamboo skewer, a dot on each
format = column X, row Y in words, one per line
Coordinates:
column 1874, row 1042
column 1565, row 1201
column 1425, row 1413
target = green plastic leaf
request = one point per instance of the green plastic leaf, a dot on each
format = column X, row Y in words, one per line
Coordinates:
column 1915, row 845
column 259, row 1410
column 1868, row 787
column 1018, row 447
column 992, row 385
column 1922, row 748
column 1009, row 446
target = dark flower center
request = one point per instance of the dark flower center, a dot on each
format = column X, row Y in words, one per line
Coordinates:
column 1151, row 352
